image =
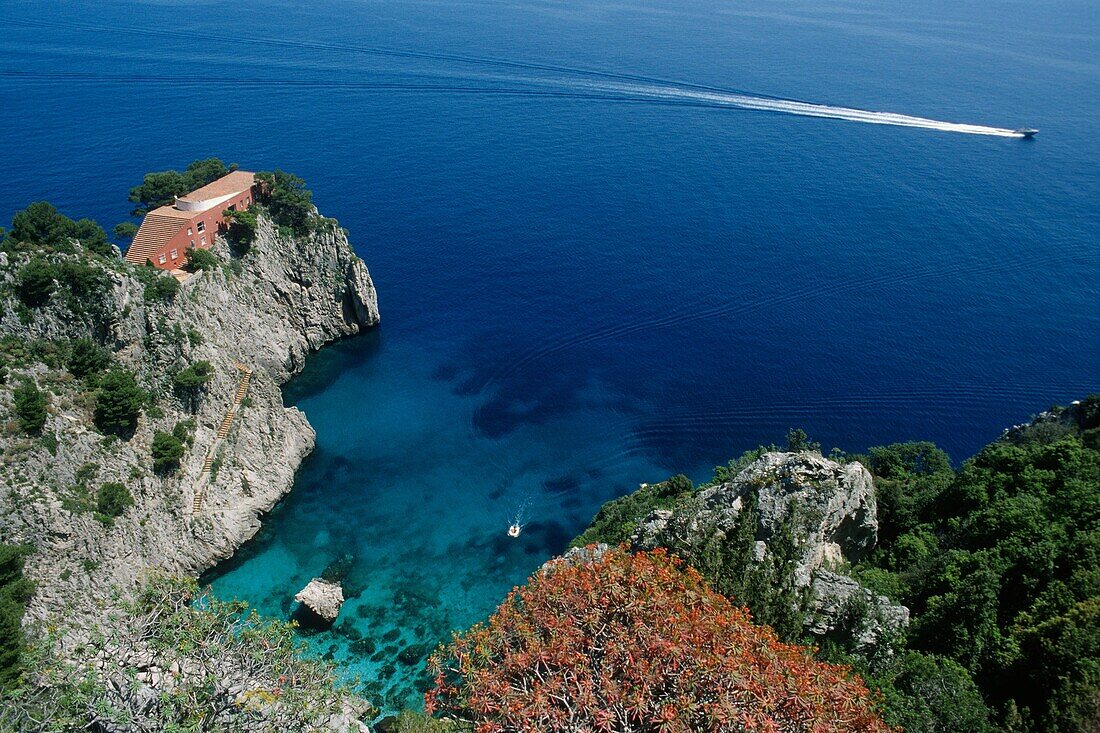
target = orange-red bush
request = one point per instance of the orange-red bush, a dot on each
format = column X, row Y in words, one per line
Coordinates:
column 637, row 643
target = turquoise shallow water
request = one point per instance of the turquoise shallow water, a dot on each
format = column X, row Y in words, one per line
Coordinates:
column 589, row 289
column 405, row 486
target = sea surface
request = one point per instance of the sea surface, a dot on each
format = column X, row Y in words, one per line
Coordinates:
column 612, row 241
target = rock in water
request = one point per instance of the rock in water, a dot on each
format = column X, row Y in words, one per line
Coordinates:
column 323, row 599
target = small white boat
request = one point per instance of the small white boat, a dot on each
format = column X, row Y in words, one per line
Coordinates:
column 514, row 530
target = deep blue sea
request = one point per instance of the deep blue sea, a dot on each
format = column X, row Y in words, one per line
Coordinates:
column 590, row 280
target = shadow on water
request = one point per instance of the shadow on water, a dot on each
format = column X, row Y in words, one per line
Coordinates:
column 326, row 366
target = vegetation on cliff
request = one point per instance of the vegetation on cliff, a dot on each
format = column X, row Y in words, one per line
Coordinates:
column 997, row 563
column 161, row 188
column 15, row 591
column 105, row 371
column 613, row 642
column 179, row 661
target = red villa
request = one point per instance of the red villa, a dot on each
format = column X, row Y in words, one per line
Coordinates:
column 192, row 221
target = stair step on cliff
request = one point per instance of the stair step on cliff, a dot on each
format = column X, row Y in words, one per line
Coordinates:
column 196, row 506
column 242, row 390
column 208, row 462
column 223, row 430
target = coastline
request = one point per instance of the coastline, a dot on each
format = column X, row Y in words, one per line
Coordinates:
column 286, row 298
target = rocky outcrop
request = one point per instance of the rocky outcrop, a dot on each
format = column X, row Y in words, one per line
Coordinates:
column 832, row 506
column 838, row 603
column 322, row 599
column 828, row 507
column 265, row 311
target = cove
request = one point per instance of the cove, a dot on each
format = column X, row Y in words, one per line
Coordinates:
column 405, row 491
column 579, row 295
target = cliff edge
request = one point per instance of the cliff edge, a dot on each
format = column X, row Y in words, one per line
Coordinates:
column 237, row 330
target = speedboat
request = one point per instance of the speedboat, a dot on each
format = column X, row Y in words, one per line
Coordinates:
column 1026, row 132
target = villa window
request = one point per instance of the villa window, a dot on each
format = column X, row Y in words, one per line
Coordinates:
column 189, row 231
column 175, row 254
column 162, row 259
column 201, row 226
column 232, row 207
column 202, row 240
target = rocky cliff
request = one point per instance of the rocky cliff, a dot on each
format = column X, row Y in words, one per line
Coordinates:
column 259, row 314
column 829, row 510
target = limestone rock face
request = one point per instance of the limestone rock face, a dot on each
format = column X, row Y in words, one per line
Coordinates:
column 839, row 602
column 265, row 310
column 830, row 507
column 322, row 598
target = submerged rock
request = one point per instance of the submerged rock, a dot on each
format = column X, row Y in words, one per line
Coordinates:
column 322, row 598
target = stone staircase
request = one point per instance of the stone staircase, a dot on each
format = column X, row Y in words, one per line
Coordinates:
column 223, row 430
column 227, row 421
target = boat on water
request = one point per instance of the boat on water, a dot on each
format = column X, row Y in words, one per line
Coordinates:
column 514, row 530
column 1026, row 132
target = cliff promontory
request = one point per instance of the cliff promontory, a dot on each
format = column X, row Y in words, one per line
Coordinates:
column 208, row 447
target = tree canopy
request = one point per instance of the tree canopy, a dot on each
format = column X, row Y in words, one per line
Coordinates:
column 87, row 357
column 617, row 642
column 998, row 562
column 288, row 200
column 15, row 591
column 201, row 259
column 161, row 188
column 30, row 407
column 42, row 225
column 118, row 403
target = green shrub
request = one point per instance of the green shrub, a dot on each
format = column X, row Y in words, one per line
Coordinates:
column 35, row 283
column 87, row 357
column 798, row 441
column 172, row 621
column 42, row 225
column 201, row 259
column 85, row 283
column 242, row 229
column 161, row 188
column 30, row 407
column 184, row 431
column 410, row 721
column 86, row 473
column 167, row 451
column 617, row 519
column 288, row 200
column 15, row 591
column 113, row 499
column 125, row 231
column 161, row 288
column 194, row 376
column 92, row 237
column 118, row 403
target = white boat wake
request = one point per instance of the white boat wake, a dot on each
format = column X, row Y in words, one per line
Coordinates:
column 578, row 82
column 809, row 109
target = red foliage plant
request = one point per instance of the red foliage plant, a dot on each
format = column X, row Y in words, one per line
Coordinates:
column 620, row 643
